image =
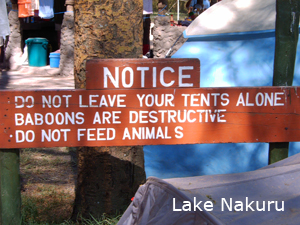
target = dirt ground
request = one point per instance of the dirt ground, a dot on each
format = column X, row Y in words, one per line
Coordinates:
column 48, row 178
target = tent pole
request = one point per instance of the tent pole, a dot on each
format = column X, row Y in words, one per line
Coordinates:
column 177, row 10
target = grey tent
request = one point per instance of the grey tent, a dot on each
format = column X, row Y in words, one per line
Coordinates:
column 270, row 195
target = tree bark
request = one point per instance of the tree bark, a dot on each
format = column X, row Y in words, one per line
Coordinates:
column 13, row 51
column 108, row 177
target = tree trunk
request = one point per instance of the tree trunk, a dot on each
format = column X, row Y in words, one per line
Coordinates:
column 66, row 64
column 13, row 51
column 108, row 177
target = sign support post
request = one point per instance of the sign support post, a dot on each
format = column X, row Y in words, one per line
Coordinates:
column 10, row 191
column 284, row 62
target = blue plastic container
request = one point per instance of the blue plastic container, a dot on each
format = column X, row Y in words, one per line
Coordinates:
column 54, row 59
column 37, row 51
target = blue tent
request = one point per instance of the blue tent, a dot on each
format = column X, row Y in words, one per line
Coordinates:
column 235, row 42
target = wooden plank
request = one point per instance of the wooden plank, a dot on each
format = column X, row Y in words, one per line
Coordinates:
column 131, row 117
column 142, row 73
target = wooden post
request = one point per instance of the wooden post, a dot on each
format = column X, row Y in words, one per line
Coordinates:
column 10, row 190
column 287, row 32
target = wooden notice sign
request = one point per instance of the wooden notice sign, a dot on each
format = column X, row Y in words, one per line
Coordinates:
column 148, row 116
column 142, row 73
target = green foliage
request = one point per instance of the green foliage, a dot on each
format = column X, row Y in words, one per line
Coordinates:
column 29, row 211
column 30, row 216
column 104, row 220
column 42, row 209
column 36, row 211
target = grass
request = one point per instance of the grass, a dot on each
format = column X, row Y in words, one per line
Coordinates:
column 105, row 220
column 48, row 183
column 46, row 204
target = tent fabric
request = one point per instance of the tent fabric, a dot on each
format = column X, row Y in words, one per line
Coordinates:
column 4, row 24
column 234, row 16
column 152, row 204
column 226, row 60
column 46, row 9
column 274, row 189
